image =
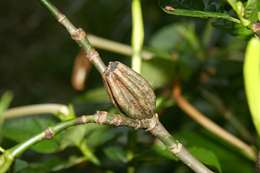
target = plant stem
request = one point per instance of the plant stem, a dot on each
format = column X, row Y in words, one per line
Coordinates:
column 238, row 7
column 36, row 109
column 47, row 134
column 153, row 125
column 117, row 47
column 100, row 118
column 178, row 149
column 86, row 151
column 211, row 126
column 78, row 35
column 137, row 35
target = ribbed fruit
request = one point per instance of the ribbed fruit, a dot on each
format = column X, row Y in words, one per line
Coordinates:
column 129, row 91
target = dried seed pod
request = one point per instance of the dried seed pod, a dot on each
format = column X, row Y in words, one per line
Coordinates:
column 129, row 91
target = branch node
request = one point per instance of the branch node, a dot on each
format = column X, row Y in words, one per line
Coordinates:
column 101, row 117
column 92, row 54
column 139, row 125
column 61, row 18
column 176, row 148
column 82, row 120
column 117, row 121
column 152, row 123
column 48, row 133
column 78, row 34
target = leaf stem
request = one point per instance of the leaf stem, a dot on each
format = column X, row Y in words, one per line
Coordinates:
column 36, row 109
column 117, row 47
column 137, row 35
column 200, row 14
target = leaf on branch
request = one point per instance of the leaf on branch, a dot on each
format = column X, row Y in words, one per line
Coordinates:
column 251, row 10
column 190, row 9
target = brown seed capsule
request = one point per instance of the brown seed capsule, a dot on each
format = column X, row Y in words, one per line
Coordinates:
column 129, row 91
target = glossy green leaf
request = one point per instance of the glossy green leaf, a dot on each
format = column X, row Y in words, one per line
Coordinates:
column 173, row 7
column 207, row 157
column 252, row 79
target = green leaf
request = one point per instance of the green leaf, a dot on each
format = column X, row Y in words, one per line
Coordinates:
column 97, row 95
column 251, row 10
column 100, row 135
column 229, row 159
column 252, row 79
column 116, row 153
column 233, row 28
column 167, row 38
column 73, row 136
column 207, row 157
column 21, row 129
column 88, row 153
column 179, row 10
column 158, row 71
column 51, row 164
column 20, row 165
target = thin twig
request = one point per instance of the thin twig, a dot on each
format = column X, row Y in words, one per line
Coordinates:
column 137, row 35
column 150, row 124
column 36, row 109
column 101, row 117
column 77, row 34
column 116, row 47
column 178, row 149
column 205, row 122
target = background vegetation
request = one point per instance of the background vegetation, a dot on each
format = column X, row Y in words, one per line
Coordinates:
column 203, row 56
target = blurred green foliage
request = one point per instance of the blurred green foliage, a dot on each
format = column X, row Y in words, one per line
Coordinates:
column 36, row 59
